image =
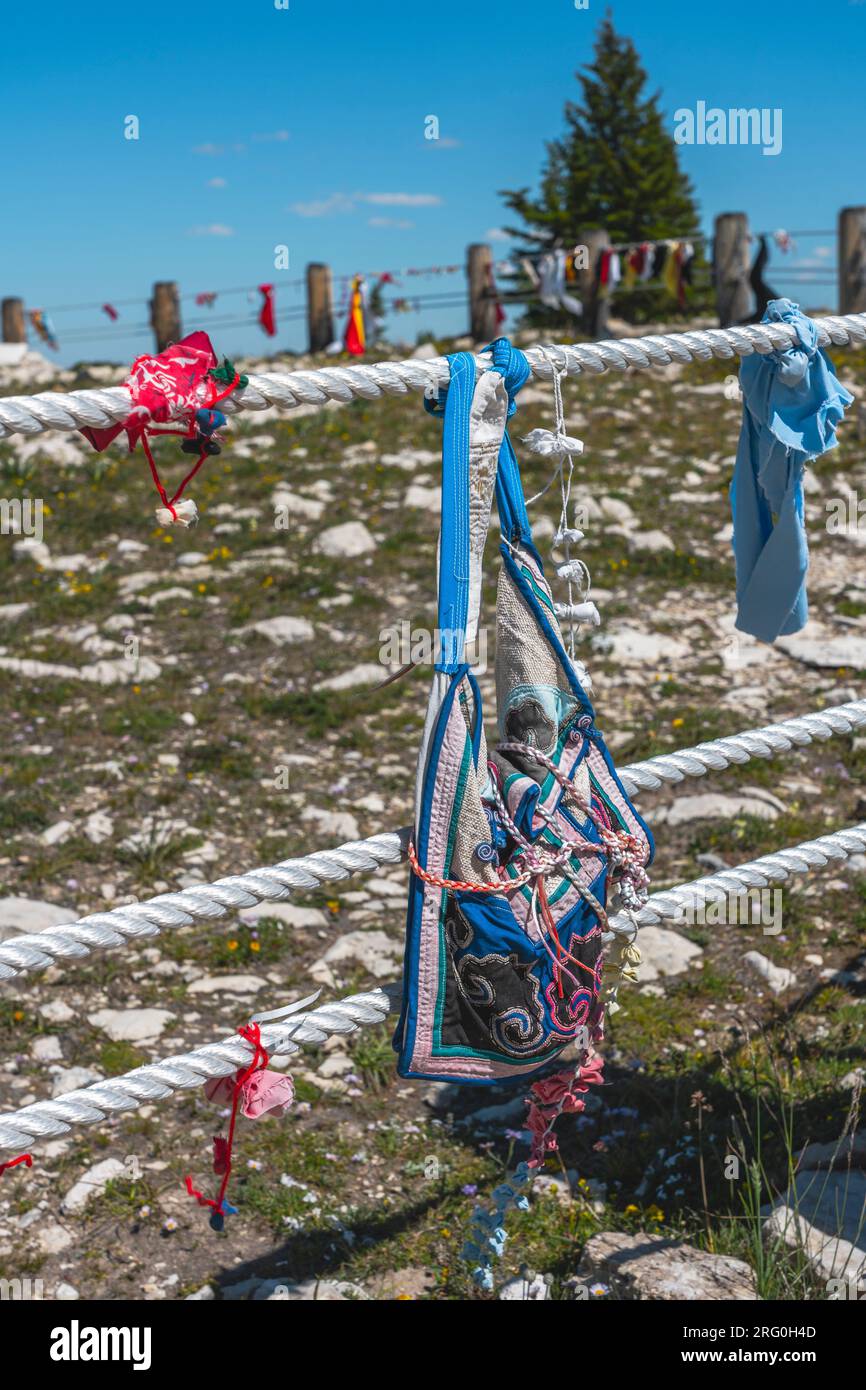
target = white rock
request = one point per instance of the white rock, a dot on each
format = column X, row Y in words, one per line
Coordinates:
column 131, row 1025
column 822, row 1216
column 91, row 1184
column 30, row 549
column 339, row 824
column 291, row 913
column 226, row 984
column 98, row 827
column 66, row 1293
column 664, row 952
column 631, row 647
column 11, row 612
column 427, row 499
column 46, row 1049
column 346, row 541
column 29, row 915
column 530, row 1291
column 714, row 806
column 827, row 652
column 53, row 1239
column 374, row 950
column 56, row 1011
column 653, row 541
column 777, row 977
column 283, row 630
column 72, row 1079
column 58, row 833
column 295, row 505
column 365, row 674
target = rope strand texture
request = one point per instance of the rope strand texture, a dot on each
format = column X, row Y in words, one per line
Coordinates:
column 70, row 410
column 92, row 1104
column 108, row 930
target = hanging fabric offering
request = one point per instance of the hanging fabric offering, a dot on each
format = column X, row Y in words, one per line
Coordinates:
column 181, row 385
column 206, row 299
column 792, row 403
column 44, row 328
column 516, row 853
column 110, row 312
column 254, row 1092
column 267, row 313
column 355, row 337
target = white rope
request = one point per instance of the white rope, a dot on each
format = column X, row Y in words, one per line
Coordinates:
column 107, row 930
column 70, row 410
column 157, row 1080
column 766, row 742
column 672, row 904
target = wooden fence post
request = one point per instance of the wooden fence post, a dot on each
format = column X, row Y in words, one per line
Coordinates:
column 320, row 306
column 852, row 260
column 165, row 314
column 592, row 295
column 482, row 304
column 13, row 321
column 731, row 268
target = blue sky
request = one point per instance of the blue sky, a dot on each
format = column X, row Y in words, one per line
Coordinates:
column 304, row 126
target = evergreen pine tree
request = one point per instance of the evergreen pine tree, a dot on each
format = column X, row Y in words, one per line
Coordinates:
column 615, row 168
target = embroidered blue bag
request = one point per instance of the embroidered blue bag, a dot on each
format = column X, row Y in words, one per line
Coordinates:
column 517, row 850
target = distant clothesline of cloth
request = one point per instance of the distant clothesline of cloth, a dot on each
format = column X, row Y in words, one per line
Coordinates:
column 556, row 274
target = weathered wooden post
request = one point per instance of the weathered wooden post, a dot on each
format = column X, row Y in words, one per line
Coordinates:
column 731, row 268
column 165, row 314
column 13, row 321
column 320, row 306
column 593, row 296
column 482, row 303
column 852, row 260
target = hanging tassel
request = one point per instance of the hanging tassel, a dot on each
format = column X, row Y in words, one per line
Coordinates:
column 185, row 513
column 567, row 535
column 579, row 612
column 546, row 444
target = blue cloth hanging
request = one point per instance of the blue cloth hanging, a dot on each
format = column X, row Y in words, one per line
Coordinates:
column 792, row 403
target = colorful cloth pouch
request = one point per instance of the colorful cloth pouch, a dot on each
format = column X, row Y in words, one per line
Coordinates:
column 515, row 853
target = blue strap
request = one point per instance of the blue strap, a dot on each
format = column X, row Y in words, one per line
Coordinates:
column 455, row 404
column 514, row 370
column 454, row 536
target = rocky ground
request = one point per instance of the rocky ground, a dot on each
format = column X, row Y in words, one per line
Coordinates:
column 176, row 706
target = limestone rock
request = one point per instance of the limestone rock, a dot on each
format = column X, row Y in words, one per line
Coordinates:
column 91, row 1183
column 131, row 1025
column 30, row 915
column 653, row 1267
column 822, row 1215
column 777, row 977
column 664, row 952
column 283, row 629
column 346, row 541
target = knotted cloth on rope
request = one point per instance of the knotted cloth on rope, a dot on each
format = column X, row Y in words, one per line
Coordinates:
column 202, row 902
column 99, row 409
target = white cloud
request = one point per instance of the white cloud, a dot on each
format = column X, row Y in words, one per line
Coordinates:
column 401, row 200
column 401, row 222
column 209, row 149
column 496, row 234
column 323, row 207
column 279, row 135
column 217, row 183
column 215, row 229
column 347, row 202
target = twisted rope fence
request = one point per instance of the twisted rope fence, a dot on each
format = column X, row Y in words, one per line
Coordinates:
column 109, row 930
column 71, row 410
column 157, row 1080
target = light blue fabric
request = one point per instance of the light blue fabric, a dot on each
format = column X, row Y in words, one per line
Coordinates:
column 792, row 403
